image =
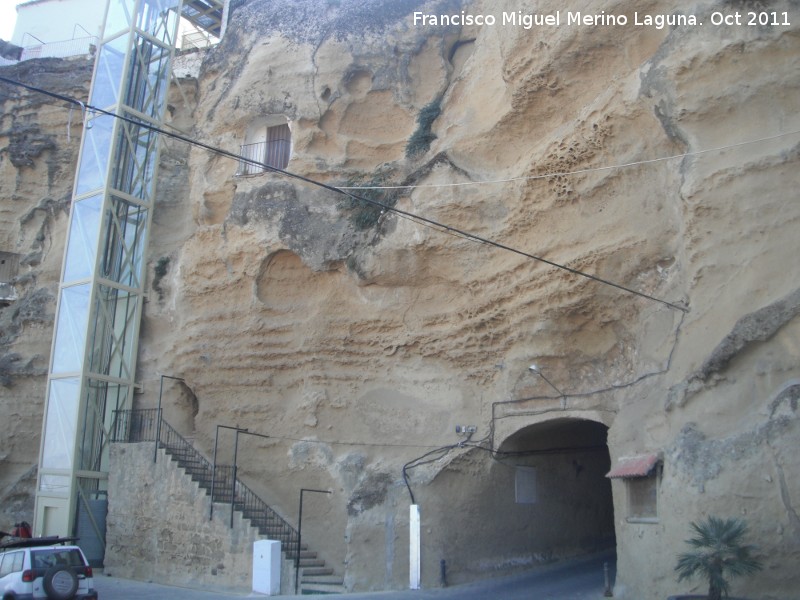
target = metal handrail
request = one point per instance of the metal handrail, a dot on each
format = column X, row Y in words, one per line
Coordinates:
column 274, row 153
column 142, row 425
column 62, row 49
column 134, row 425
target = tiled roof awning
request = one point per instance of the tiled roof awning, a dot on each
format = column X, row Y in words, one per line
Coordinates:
column 635, row 466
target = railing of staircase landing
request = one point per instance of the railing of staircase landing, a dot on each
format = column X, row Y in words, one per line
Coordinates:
column 145, row 425
column 134, row 425
column 63, row 49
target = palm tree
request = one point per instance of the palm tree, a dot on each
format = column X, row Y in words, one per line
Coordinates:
column 719, row 551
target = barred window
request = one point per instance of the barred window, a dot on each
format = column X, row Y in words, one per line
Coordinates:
column 268, row 143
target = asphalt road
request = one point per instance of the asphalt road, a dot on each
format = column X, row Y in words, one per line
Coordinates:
column 576, row 580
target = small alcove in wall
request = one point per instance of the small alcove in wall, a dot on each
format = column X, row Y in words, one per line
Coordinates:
column 267, row 141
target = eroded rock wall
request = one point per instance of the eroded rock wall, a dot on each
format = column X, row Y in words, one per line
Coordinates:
column 290, row 315
column 661, row 159
column 162, row 544
column 39, row 142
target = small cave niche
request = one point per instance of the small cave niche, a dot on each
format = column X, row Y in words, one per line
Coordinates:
column 181, row 406
column 283, row 280
column 358, row 82
column 459, row 54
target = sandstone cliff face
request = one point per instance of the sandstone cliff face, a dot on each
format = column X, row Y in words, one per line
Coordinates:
column 287, row 316
column 359, row 340
column 38, row 152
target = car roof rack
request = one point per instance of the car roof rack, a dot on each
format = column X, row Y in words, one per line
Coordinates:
column 52, row 540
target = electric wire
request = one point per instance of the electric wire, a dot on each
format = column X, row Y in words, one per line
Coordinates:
column 346, row 443
column 341, row 191
column 440, row 452
column 576, row 172
column 487, row 442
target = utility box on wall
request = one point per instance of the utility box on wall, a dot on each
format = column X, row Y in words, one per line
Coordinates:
column 267, row 567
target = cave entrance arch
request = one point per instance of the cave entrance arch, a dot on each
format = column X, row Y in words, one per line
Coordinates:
column 542, row 495
column 561, row 493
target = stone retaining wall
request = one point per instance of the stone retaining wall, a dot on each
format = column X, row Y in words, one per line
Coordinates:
column 159, row 527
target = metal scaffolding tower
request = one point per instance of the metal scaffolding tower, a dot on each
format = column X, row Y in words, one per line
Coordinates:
column 93, row 356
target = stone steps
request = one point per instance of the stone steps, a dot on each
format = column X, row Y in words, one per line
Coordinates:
column 311, row 562
column 312, row 572
column 315, row 577
column 333, row 586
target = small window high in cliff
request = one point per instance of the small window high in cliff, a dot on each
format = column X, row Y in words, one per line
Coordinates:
column 9, row 268
column 268, row 142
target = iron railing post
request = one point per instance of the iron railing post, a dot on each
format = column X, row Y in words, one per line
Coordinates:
column 158, row 415
column 233, row 482
column 214, row 465
column 114, row 426
column 213, row 474
column 300, row 535
column 235, row 452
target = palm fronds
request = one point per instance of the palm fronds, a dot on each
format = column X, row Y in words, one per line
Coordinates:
column 719, row 551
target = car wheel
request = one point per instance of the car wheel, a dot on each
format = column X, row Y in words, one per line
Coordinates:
column 60, row 583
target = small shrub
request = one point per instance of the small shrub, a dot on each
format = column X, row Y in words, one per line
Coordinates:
column 363, row 213
column 160, row 270
column 162, row 266
column 421, row 140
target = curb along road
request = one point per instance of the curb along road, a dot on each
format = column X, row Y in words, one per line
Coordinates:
column 576, row 580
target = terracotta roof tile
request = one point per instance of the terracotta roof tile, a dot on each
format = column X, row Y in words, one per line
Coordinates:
column 635, row 466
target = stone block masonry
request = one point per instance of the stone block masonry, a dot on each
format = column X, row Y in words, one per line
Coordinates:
column 159, row 527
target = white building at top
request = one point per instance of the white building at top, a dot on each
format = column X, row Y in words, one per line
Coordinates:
column 63, row 28
column 56, row 21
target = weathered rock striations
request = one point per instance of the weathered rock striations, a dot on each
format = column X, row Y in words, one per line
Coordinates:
column 661, row 159
column 39, row 141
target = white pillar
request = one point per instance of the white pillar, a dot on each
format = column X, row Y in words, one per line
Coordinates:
column 414, row 547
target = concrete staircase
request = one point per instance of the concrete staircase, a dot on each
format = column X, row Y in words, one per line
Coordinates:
column 315, row 577
column 220, row 484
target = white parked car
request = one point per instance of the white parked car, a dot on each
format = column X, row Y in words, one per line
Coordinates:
column 48, row 568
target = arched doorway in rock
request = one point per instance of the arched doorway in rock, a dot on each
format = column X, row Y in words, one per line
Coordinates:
column 560, row 468
column 541, row 496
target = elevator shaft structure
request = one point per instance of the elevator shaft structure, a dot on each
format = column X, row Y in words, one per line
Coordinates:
column 93, row 356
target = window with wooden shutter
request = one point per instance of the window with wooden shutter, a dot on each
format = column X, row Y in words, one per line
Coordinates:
column 279, row 141
column 268, row 142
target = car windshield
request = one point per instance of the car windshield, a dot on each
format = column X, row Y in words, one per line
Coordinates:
column 59, row 557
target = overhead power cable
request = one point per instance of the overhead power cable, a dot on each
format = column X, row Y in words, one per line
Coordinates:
column 635, row 163
column 338, row 190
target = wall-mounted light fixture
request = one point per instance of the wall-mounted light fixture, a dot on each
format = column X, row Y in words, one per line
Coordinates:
column 537, row 371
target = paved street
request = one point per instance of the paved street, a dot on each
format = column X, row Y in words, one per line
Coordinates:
column 577, row 580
